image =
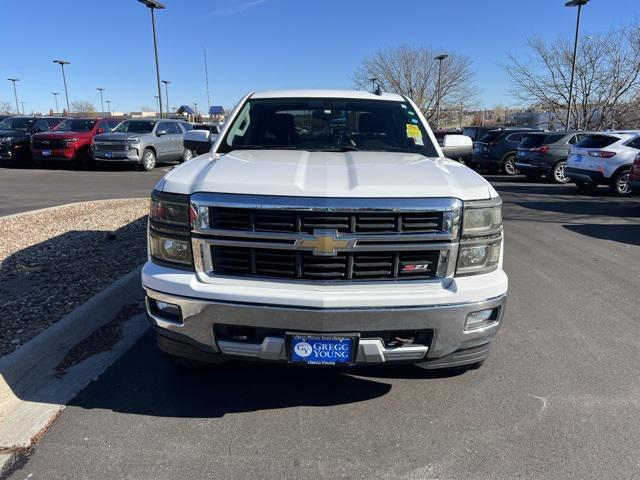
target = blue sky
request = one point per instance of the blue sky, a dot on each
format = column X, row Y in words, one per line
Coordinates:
column 262, row 44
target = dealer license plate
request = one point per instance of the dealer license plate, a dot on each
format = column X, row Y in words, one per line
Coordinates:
column 108, row 155
column 321, row 349
column 46, row 153
column 578, row 158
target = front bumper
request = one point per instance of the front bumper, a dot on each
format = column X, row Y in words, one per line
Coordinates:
column 130, row 155
column 444, row 341
column 56, row 155
column 584, row 175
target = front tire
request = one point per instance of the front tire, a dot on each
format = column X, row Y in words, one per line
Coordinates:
column 620, row 183
column 186, row 155
column 148, row 162
column 509, row 167
column 558, row 173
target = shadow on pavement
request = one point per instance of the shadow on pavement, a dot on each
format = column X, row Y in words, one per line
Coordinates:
column 143, row 382
column 623, row 233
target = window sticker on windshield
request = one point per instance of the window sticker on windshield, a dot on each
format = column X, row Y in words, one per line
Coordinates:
column 414, row 120
column 404, row 106
column 411, row 113
column 414, row 132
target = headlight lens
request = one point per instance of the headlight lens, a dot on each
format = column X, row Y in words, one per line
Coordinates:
column 169, row 229
column 170, row 249
column 134, row 140
column 5, row 139
column 481, row 242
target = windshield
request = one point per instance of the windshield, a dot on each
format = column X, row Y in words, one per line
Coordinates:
column 320, row 124
column 17, row 124
column 76, row 125
column 135, row 126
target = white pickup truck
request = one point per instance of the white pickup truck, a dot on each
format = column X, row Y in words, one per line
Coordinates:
column 325, row 227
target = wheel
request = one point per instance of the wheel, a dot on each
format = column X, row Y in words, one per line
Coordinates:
column 620, row 183
column 186, row 155
column 509, row 167
column 557, row 173
column 148, row 160
column 586, row 186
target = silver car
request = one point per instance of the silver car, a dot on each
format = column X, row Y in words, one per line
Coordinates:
column 144, row 142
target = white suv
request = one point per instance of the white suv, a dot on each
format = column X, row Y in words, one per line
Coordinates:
column 325, row 227
column 604, row 158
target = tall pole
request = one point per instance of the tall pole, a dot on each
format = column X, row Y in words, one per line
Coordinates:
column 158, row 103
column 101, row 101
column 579, row 4
column 55, row 95
column 440, row 58
column 22, row 103
column 62, row 63
column 155, row 48
column 109, row 106
column 206, row 77
column 15, row 92
column 166, row 94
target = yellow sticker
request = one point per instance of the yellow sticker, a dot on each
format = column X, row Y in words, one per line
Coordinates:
column 413, row 131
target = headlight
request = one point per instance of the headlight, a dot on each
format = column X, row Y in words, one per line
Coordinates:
column 170, row 249
column 6, row 139
column 481, row 241
column 133, row 140
column 69, row 141
column 169, row 229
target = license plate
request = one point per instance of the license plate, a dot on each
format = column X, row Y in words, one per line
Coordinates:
column 578, row 158
column 321, row 349
column 108, row 155
column 46, row 153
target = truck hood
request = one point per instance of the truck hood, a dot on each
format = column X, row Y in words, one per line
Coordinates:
column 56, row 134
column 324, row 174
column 118, row 136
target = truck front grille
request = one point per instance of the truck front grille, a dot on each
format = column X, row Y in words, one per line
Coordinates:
column 48, row 144
column 319, row 239
column 259, row 262
column 292, row 221
column 111, row 146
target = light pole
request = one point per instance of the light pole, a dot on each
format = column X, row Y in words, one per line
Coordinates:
column 62, row 63
column 22, row 103
column 100, row 89
column 166, row 93
column 109, row 106
column 158, row 103
column 152, row 5
column 55, row 95
column 440, row 58
column 579, row 4
column 15, row 92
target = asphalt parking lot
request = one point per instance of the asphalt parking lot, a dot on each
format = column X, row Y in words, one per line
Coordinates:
column 558, row 398
column 24, row 189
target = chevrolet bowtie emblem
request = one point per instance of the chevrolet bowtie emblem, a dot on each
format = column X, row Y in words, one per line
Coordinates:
column 325, row 243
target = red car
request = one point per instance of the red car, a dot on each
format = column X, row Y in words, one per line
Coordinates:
column 634, row 175
column 70, row 141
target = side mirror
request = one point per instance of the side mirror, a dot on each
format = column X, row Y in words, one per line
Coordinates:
column 199, row 141
column 160, row 133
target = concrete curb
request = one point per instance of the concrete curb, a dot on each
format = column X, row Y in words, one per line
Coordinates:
column 47, row 209
column 31, row 396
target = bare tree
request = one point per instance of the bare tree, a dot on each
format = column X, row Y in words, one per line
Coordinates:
column 84, row 107
column 146, row 108
column 607, row 76
column 5, row 107
column 412, row 71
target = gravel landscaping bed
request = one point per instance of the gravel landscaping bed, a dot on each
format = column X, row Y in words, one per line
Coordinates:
column 53, row 261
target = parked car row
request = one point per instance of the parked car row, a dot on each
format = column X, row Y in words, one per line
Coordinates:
column 141, row 142
column 587, row 159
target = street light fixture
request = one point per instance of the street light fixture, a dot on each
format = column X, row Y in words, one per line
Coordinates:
column 166, row 93
column 100, row 89
column 153, row 5
column 55, row 95
column 62, row 63
column 440, row 58
column 579, row 4
column 15, row 92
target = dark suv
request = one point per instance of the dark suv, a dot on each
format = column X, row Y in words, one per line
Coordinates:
column 545, row 154
column 496, row 150
column 477, row 132
column 15, row 135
